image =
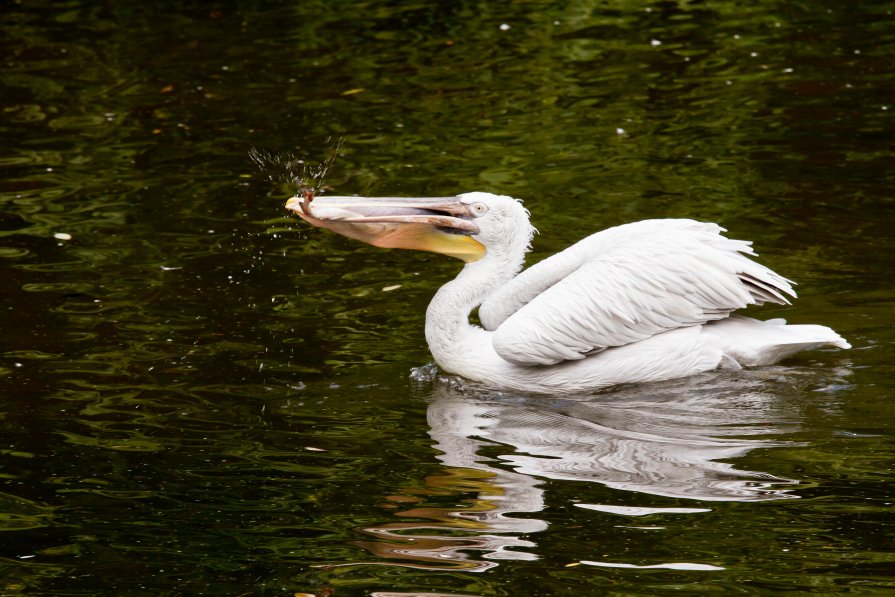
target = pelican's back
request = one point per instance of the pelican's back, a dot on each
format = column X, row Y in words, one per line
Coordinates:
column 624, row 285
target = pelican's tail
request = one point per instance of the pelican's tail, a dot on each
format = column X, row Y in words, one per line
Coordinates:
column 747, row 342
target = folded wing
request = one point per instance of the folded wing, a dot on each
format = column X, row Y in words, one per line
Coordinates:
column 624, row 285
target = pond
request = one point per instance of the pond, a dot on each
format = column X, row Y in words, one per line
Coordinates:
column 202, row 395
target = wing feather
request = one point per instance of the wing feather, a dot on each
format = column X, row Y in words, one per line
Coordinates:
column 624, row 285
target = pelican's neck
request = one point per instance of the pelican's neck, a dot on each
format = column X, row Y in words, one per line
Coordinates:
column 447, row 318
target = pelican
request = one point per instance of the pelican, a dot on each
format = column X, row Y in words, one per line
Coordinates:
column 640, row 302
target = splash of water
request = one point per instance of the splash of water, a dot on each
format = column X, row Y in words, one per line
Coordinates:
column 308, row 176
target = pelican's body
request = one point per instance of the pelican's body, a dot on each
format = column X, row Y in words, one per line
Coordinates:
column 646, row 301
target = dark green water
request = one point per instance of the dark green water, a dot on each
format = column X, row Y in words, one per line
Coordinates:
column 199, row 395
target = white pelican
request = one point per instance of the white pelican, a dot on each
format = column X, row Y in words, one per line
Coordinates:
column 641, row 302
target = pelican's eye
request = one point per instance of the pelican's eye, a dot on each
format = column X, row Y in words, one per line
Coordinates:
column 478, row 209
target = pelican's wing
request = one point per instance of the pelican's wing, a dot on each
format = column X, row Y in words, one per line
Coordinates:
column 623, row 285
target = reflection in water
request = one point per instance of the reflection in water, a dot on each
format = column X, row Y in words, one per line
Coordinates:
column 666, row 444
column 448, row 534
column 666, row 440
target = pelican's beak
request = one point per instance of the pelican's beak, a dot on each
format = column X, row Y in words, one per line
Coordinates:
column 439, row 224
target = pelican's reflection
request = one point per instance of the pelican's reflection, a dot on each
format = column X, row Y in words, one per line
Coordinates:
column 674, row 440
column 662, row 443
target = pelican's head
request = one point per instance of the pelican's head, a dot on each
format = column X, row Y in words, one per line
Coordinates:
column 466, row 226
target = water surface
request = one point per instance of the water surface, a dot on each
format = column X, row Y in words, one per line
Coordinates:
column 200, row 395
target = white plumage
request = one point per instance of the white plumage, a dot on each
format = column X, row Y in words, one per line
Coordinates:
column 624, row 285
column 640, row 302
